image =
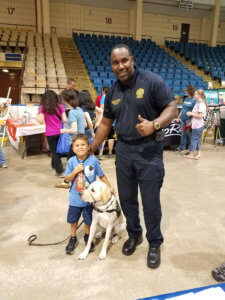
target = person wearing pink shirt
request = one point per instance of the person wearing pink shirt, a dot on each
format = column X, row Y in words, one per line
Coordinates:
column 52, row 113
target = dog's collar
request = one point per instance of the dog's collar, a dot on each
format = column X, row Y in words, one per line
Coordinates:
column 110, row 198
column 117, row 209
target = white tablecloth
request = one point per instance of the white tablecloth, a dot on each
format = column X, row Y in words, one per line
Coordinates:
column 24, row 131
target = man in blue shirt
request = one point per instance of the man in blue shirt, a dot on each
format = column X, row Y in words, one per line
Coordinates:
column 141, row 103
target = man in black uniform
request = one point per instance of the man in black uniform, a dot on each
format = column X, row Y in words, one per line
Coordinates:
column 141, row 103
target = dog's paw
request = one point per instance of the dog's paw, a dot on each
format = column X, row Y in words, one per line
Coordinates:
column 115, row 239
column 98, row 235
column 83, row 255
column 102, row 254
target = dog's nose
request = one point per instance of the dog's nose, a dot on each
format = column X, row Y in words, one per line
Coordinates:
column 80, row 193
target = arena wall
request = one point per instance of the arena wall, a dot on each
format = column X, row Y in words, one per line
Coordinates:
column 65, row 18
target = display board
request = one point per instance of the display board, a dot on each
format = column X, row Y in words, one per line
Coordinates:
column 4, row 107
column 212, row 97
column 221, row 93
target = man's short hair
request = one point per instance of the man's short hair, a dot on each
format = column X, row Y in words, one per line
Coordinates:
column 105, row 89
column 80, row 136
column 70, row 80
column 118, row 46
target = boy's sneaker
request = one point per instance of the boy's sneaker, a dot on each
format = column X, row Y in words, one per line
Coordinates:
column 219, row 273
column 4, row 166
column 62, row 185
column 100, row 157
column 61, row 175
column 86, row 236
column 109, row 155
column 73, row 242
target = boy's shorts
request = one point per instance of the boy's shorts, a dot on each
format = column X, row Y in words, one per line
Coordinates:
column 74, row 214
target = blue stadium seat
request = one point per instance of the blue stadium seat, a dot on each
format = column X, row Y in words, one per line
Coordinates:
column 176, row 82
column 103, row 75
column 100, row 68
column 93, row 74
column 106, row 82
column 99, row 87
column 176, row 88
column 97, row 81
column 169, row 76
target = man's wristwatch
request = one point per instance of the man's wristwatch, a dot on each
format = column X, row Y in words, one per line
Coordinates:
column 156, row 125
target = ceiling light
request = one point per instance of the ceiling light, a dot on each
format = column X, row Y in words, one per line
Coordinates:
column 5, row 70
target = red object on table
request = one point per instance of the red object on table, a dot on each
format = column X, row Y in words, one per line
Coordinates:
column 12, row 127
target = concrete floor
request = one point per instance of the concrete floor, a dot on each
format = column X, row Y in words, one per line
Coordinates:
column 193, row 225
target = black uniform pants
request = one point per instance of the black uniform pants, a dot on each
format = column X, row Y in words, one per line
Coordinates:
column 141, row 165
column 56, row 162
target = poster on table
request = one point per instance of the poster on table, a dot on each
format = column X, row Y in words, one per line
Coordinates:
column 4, row 107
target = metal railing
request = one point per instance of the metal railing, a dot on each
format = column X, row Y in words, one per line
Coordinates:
column 146, row 36
column 168, row 38
column 97, row 32
column 17, row 25
column 220, row 43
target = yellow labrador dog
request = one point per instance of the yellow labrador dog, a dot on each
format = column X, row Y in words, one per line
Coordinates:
column 106, row 213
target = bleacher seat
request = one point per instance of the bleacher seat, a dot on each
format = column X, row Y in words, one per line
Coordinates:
column 148, row 55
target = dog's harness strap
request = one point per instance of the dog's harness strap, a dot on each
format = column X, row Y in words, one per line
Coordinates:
column 117, row 209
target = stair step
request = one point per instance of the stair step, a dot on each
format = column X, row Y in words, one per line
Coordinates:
column 74, row 65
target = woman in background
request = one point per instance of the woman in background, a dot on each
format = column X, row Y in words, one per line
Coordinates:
column 52, row 113
column 76, row 119
column 197, row 124
column 188, row 104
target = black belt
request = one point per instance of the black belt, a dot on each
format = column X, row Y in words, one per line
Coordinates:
column 146, row 139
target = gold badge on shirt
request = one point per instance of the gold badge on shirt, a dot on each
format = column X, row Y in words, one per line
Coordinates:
column 116, row 102
column 140, row 93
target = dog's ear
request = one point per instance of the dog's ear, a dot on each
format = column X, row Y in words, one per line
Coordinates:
column 104, row 194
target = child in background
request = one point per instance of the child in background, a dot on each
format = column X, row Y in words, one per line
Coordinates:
column 81, row 171
column 197, row 124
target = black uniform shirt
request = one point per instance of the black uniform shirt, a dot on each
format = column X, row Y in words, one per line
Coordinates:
column 147, row 95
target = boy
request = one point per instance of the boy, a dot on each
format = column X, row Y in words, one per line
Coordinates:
column 81, row 170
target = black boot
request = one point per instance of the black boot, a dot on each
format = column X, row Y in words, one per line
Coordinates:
column 130, row 245
column 154, row 257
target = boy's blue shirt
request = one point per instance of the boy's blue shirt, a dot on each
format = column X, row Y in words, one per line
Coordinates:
column 91, row 161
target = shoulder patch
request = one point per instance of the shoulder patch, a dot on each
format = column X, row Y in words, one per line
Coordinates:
column 116, row 102
column 140, row 93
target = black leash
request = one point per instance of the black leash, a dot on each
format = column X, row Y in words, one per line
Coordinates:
column 33, row 237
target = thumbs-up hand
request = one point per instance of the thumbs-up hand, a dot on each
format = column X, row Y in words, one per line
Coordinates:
column 145, row 127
